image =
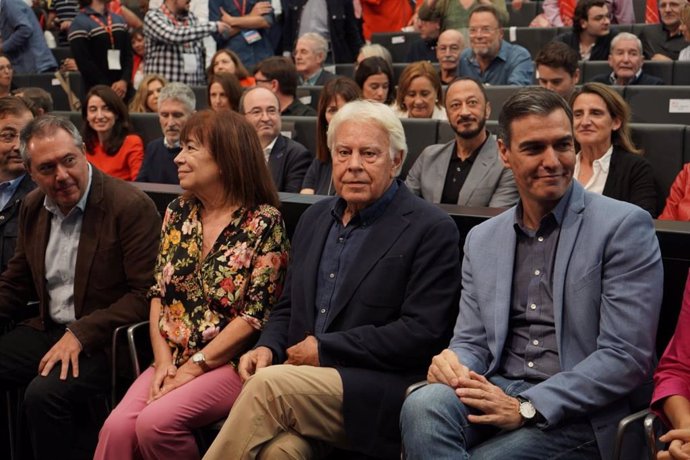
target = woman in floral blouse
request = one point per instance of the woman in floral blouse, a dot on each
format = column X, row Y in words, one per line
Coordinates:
column 221, row 267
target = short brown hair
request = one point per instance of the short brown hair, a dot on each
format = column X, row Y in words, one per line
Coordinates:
column 241, row 71
column 282, row 70
column 235, row 147
column 13, row 105
column 558, row 55
column 416, row 70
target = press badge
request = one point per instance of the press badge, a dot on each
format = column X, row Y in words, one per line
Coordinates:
column 251, row 36
column 190, row 63
column 114, row 60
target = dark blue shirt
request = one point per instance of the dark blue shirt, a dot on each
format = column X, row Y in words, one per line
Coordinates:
column 158, row 166
column 341, row 251
column 531, row 350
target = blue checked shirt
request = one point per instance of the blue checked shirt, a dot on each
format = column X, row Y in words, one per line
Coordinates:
column 166, row 42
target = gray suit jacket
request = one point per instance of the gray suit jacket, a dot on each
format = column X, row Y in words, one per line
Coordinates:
column 489, row 182
column 607, row 290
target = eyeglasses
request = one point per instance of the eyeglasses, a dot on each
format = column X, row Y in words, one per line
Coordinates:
column 481, row 30
column 7, row 68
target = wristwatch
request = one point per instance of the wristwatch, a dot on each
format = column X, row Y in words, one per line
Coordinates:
column 199, row 359
column 527, row 410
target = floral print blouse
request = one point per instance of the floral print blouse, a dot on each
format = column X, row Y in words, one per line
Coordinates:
column 242, row 275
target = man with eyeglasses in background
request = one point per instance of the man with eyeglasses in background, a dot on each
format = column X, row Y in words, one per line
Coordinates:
column 664, row 41
column 591, row 35
column 287, row 160
column 491, row 59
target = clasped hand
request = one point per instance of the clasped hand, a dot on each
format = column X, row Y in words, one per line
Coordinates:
column 679, row 447
column 475, row 391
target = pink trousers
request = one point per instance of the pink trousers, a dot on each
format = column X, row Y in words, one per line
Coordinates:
column 163, row 429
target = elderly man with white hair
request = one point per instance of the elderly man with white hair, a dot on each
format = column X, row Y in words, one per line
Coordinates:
column 626, row 59
column 370, row 295
column 310, row 54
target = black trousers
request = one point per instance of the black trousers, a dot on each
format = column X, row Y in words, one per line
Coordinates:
column 49, row 403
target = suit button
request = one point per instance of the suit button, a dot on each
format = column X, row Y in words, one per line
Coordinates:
column 530, row 364
column 2, row 218
column 323, row 310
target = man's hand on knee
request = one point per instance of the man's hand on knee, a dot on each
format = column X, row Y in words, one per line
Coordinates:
column 446, row 368
column 305, row 353
column 254, row 360
column 499, row 409
column 65, row 351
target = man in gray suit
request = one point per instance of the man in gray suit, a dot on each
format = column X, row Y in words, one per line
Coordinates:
column 466, row 171
column 557, row 322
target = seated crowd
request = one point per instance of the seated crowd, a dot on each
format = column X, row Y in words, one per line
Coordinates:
column 538, row 340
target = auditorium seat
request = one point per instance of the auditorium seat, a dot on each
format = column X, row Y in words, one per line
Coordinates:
column 345, row 70
column 663, row 146
column 498, row 95
column 48, row 82
column 398, row 43
column 686, row 150
column 61, row 53
column 419, row 133
column 146, row 125
column 302, row 130
column 309, row 95
column 661, row 69
column 658, row 104
column 523, row 16
column 74, row 117
column 681, row 73
column 532, row 38
column 201, row 97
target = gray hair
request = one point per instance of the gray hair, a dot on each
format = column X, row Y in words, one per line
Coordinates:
column 178, row 92
column 252, row 89
column 44, row 126
column 320, row 43
column 375, row 49
column 371, row 112
column 529, row 101
column 626, row 36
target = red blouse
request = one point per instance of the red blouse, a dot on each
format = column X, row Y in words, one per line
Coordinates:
column 125, row 164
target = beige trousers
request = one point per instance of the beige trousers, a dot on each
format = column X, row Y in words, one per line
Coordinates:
column 284, row 412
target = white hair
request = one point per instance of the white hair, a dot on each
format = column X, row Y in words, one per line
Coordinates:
column 371, row 112
column 626, row 36
column 320, row 43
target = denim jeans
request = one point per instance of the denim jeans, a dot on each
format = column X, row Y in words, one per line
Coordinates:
column 434, row 426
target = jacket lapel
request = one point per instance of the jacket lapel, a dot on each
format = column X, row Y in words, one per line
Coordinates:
column 439, row 169
column 276, row 160
column 570, row 228
column 505, row 253
column 88, row 239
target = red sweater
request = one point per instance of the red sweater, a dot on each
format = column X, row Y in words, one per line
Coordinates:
column 125, row 164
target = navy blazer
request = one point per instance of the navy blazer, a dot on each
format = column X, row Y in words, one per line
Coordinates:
column 643, row 79
column 391, row 316
column 288, row 162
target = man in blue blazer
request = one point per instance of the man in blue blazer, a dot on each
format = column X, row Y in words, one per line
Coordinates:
column 369, row 298
column 557, row 321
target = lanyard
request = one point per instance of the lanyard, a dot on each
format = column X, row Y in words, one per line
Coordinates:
column 244, row 6
column 108, row 29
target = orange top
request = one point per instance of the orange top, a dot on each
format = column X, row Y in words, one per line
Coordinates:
column 248, row 82
column 125, row 164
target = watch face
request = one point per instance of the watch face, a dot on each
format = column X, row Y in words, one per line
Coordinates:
column 527, row 410
column 198, row 358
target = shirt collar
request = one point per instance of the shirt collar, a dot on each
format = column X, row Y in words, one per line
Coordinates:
column 502, row 54
column 269, row 148
column 176, row 145
column 557, row 213
column 368, row 215
column 311, row 80
column 53, row 208
column 13, row 183
column 612, row 77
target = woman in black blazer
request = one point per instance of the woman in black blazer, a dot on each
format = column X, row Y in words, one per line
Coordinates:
column 608, row 162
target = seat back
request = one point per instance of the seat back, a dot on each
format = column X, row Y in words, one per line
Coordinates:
column 532, row 38
column 309, row 95
column 419, row 134
column 523, row 16
column 201, row 97
column 658, row 104
column 147, row 126
column 681, row 73
column 398, row 43
column 302, row 130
